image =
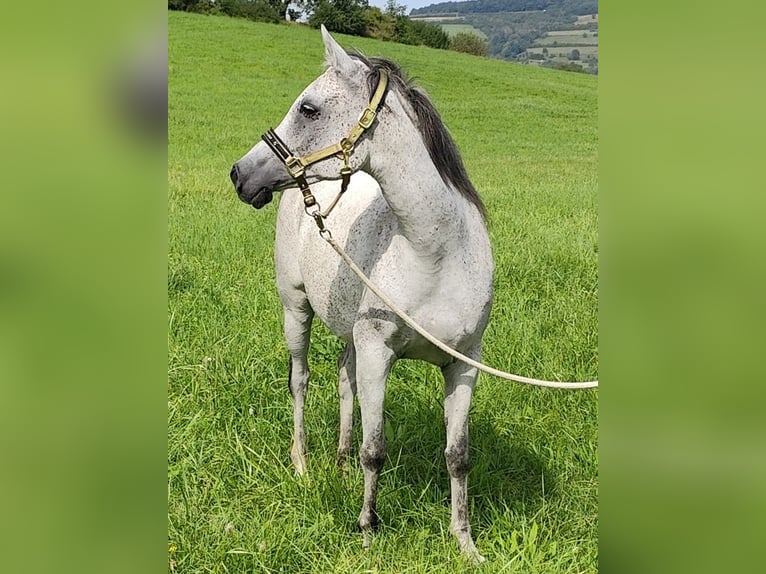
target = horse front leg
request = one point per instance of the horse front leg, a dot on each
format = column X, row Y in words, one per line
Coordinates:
column 373, row 363
column 459, row 381
column 297, row 334
column 346, row 392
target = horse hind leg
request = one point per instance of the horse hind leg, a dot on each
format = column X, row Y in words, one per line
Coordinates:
column 346, row 392
column 297, row 329
column 459, row 381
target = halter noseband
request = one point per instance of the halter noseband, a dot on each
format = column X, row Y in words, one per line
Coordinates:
column 296, row 165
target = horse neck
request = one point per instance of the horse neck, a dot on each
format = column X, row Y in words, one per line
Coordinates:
column 431, row 215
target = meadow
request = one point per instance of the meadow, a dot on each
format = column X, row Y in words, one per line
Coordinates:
column 564, row 51
column 567, row 39
column 529, row 141
column 586, row 19
column 453, row 29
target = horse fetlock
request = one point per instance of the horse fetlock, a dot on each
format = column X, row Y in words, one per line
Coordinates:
column 368, row 520
column 343, row 457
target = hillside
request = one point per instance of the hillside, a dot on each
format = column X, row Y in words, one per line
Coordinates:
column 570, row 7
column 546, row 33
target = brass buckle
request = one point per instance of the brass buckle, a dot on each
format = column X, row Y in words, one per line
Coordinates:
column 294, row 167
column 367, row 118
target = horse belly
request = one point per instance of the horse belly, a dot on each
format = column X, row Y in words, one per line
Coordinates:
column 451, row 297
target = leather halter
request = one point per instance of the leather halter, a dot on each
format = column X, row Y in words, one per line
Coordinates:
column 296, row 165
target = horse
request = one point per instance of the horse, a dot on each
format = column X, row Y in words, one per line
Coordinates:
column 408, row 215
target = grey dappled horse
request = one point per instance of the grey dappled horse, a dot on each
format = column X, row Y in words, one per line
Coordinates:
column 416, row 228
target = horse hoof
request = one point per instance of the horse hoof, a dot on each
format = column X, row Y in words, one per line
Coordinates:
column 299, row 463
column 473, row 557
column 476, row 558
column 468, row 548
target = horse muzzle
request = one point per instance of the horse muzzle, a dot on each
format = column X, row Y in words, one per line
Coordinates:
column 250, row 191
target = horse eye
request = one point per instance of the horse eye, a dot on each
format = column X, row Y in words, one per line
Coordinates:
column 309, row 111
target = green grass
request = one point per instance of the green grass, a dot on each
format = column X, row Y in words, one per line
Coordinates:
column 453, row 29
column 567, row 40
column 529, row 140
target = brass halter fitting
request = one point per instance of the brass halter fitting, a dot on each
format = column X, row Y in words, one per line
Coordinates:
column 294, row 167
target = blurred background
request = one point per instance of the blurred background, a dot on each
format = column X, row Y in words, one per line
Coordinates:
column 682, row 451
column 83, row 104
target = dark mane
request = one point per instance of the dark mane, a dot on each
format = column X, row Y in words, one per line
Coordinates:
column 441, row 147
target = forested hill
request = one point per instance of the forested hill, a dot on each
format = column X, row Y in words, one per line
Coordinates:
column 568, row 7
column 552, row 33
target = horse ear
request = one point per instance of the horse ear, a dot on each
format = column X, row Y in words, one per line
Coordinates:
column 335, row 56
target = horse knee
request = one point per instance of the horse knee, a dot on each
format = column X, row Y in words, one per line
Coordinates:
column 456, row 455
column 372, row 454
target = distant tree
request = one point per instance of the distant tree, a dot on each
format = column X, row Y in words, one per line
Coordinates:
column 380, row 25
column 260, row 10
column 574, row 54
column 416, row 32
column 545, row 51
column 431, row 35
column 344, row 16
column 468, row 43
column 393, row 8
column 393, row 26
column 190, row 5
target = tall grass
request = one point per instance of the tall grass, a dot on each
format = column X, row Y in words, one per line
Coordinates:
column 529, row 141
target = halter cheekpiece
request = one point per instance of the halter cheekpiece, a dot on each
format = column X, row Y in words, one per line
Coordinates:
column 296, row 165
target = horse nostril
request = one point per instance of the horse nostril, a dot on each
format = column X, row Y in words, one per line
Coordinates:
column 234, row 175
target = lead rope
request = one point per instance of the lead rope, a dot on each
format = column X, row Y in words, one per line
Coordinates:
column 327, row 236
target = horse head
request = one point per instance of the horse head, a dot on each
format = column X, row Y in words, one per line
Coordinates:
column 319, row 120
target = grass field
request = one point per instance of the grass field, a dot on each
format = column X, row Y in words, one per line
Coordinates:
column 566, row 40
column 564, row 51
column 453, row 29
column 586, row 19
column 570, row 33
column 529, row 141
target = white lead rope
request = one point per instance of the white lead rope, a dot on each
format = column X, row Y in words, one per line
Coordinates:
column 327, row 236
